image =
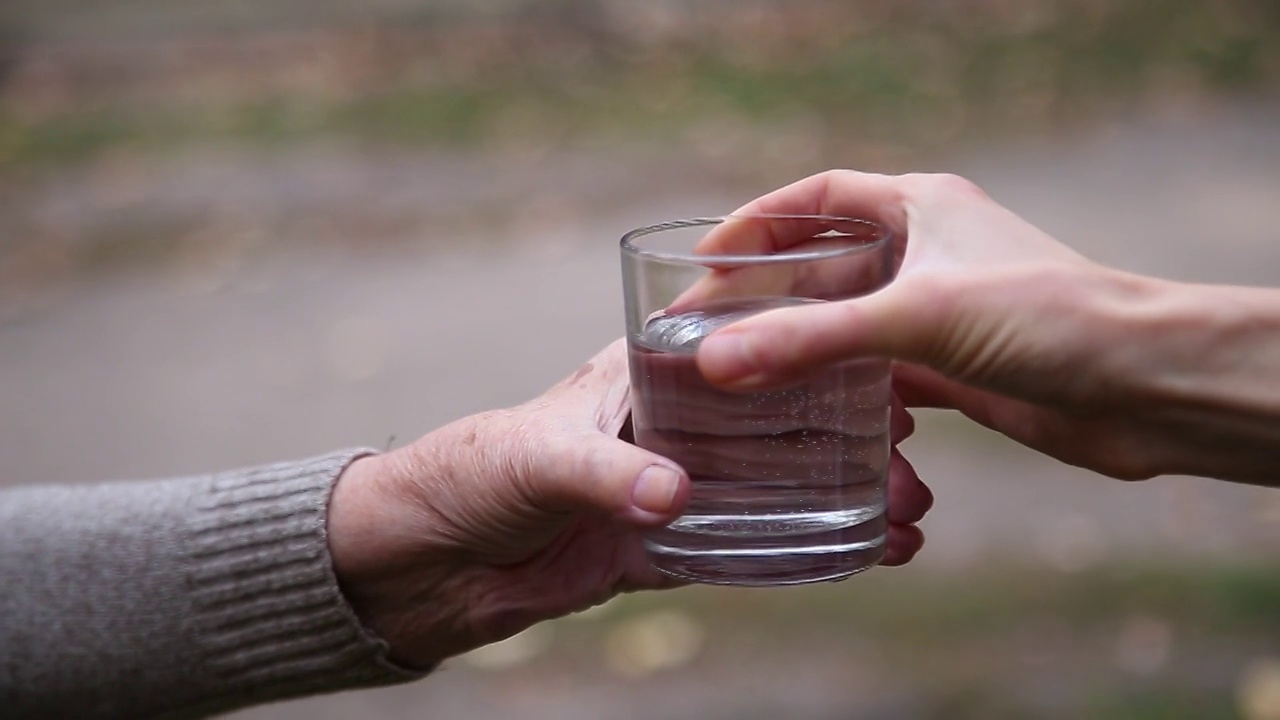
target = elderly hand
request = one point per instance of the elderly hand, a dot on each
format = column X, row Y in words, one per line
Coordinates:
column 507, row 518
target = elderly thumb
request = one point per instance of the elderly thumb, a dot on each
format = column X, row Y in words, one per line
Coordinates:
column 609, row 475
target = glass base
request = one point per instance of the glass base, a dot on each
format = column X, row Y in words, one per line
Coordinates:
column 773, row 570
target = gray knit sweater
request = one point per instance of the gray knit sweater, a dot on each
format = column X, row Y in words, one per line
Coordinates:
column 176, row 598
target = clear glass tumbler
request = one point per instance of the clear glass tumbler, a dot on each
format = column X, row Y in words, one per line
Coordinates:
column 789, row 484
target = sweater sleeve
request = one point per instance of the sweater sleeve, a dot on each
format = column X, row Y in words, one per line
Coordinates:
column 177, row 598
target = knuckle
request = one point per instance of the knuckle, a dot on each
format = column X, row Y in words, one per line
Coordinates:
column 955, row 184
column 943, row 185
column 835, row 175
column 833, row 184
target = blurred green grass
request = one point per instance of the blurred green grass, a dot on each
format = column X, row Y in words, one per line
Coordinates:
column 918, row 76
column 899, row 605
column 1008, row 641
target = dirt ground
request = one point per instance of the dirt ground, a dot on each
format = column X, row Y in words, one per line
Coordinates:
column 218, row 359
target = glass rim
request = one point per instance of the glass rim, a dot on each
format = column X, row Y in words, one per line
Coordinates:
column 882, row 237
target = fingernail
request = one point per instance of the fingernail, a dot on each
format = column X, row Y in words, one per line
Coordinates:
column 727, row 357
column 655, row 489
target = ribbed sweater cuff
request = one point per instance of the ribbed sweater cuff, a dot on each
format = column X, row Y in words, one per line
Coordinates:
column 268, row 614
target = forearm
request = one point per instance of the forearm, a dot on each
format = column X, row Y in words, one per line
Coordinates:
column 1205, row 362
column 176, row 598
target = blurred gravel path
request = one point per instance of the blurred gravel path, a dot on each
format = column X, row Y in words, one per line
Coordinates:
column 215, row 362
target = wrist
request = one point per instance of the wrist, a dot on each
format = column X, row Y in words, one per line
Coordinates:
column 356, row 542
column 1130, row 316
column 1200, row 348
column 391, row 568
column 1079, row 339
column 1198, row 364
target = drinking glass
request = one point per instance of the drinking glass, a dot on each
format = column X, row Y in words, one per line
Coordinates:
column 788, row 484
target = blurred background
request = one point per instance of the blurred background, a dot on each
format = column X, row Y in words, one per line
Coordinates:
column 242, row 231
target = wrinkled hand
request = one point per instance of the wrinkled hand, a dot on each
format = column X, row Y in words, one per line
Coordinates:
column 992, row 317
column 507, row 518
